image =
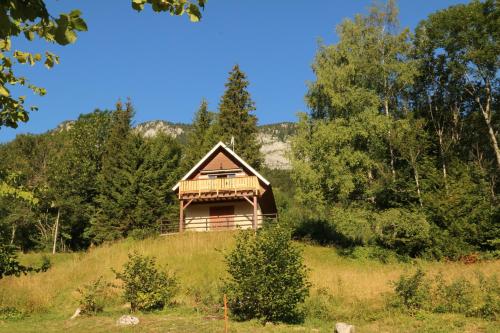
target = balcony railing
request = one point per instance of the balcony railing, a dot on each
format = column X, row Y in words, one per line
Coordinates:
column 219, row 184
column 216, row 223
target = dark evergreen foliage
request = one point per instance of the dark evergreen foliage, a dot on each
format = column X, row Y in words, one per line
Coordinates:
column 117, row 181
column 236, row 120
column 200, row 138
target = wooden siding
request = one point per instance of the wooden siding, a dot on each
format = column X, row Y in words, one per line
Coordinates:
column 220, row 162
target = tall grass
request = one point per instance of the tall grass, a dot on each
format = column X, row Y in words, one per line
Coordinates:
column 347, row 287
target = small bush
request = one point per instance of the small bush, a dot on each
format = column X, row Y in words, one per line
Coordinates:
column 10, row 313
column 385, row 256
column 454, row 297
column 140, row 234
column 490, row 288
column 407, row 232
column 9, row 265
column 145, row 287
column 93, row 296
column 412, row 290
column 480, row 299
column 207, row 299
column 268, row 279
column 321, row 305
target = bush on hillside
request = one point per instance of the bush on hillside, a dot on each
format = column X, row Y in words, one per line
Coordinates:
column 9, row 265
column 460, row 295
column 146, row 287
column 141, row 234
column 93, row 296
column 407, row 232
column 268, row 279
column 10, row 313
column 411, row 290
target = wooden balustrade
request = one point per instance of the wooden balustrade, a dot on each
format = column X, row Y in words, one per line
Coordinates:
column 219, row 184
column 219, row 223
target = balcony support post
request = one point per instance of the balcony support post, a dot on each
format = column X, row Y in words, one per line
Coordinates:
column 254, row 212
column 181, row 215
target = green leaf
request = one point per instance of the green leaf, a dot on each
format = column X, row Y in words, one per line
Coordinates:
column 138, row 4
column 75, row 13
column 30, row 35
column 21, row 57
column 3, row 91
column 194, row 13
column 5, row 44
column 79, row 24
column 70, row 36
column 49, row 61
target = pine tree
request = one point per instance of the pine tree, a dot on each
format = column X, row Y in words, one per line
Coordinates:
column 157, row 173
column 200, row 139
column 236, row 119
column 116, row 182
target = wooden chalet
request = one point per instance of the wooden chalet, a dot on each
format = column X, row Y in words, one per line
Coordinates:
column 223, row 192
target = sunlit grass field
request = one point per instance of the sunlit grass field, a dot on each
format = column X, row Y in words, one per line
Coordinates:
column 357, row 291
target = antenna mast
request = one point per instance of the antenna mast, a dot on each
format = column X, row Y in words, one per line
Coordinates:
column 232, row 143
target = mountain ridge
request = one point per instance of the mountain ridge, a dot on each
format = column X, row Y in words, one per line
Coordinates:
column 274, row 138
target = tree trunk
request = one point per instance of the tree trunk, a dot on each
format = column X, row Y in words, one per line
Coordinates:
column 417, row 179
column 491, row 132
column 417, row 183
column 56, row 230
column 486, row 112
column 393, row 170
column 13, row 235
column 443, row 161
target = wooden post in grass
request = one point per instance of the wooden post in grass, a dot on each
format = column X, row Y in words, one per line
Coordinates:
column 225, row 313
column 56, row 230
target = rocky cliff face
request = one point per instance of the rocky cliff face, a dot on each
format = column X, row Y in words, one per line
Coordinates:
column 151, row 128
column 275, row 139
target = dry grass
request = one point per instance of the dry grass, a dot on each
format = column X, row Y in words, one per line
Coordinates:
column 198, row 260
column 194, row 258
column 369, row 279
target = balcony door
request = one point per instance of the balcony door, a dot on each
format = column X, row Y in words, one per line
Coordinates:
column 221, row 217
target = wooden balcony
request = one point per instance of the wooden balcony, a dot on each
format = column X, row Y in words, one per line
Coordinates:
column 216, row 186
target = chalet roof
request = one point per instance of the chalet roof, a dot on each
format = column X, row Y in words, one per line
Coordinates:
column 232, row 153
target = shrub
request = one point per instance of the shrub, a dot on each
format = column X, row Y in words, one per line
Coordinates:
column 207, row 298
column 412, row 290
column 490, row 288
column 10, row 313
column 93, row 296
column 145, row 287
column 140, row 234
column 9, row 265
column 378, row 253
column 268, row 279
column 407, row 232
column 321, row 305
column 353, row 225
column 480, row 299
column 454, row 297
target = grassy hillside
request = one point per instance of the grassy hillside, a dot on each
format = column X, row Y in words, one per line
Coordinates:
column 344, row 289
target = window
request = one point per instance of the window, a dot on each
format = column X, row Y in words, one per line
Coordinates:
column 222, row 175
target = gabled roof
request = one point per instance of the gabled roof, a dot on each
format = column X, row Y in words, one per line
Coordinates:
column 232, row 153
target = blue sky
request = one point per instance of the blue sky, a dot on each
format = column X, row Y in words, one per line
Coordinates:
column 166, row 64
